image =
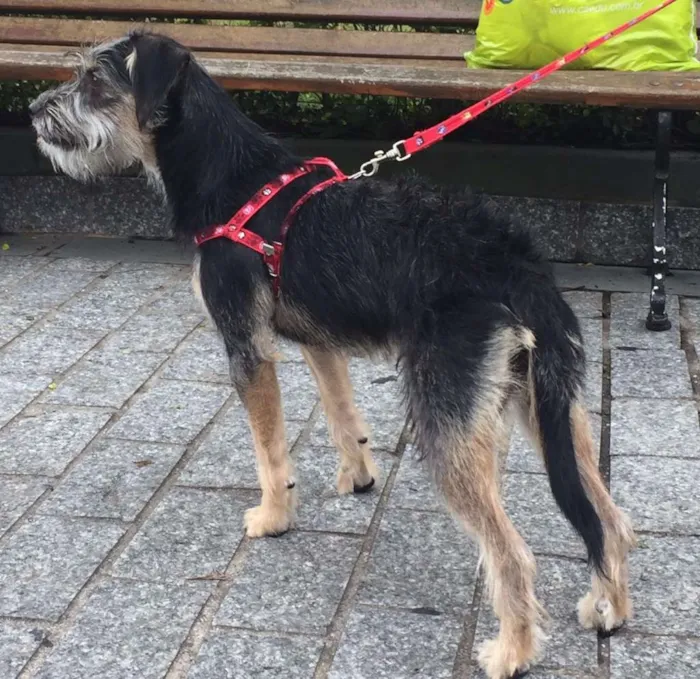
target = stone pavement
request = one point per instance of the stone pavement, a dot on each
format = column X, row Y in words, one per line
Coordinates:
column 126, row 465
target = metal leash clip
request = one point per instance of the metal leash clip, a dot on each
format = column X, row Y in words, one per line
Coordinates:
column 371, row 167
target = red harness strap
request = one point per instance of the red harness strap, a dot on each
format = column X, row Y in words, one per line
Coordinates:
column 271, row 252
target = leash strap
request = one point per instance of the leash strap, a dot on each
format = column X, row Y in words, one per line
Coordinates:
column 404, row 149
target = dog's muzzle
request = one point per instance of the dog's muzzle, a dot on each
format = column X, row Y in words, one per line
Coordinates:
column 49, row 128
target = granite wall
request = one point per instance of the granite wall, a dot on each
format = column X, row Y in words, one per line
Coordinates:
column 583, row 205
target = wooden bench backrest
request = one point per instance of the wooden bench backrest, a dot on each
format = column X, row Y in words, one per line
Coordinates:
column 242, row 39
column 431, row 12
column 223, row 36
column 324, row 49
column 61, row 23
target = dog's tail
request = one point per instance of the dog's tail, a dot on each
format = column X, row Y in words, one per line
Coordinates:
column 555, row 376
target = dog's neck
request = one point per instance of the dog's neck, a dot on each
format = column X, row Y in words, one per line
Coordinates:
column 210, row 157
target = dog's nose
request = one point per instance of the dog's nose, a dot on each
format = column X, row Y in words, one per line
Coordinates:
column 35, row 106
column 39, row 104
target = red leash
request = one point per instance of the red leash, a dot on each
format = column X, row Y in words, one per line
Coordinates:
column 404, row 149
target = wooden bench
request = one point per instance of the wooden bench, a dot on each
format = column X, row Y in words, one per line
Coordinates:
column 275, row 53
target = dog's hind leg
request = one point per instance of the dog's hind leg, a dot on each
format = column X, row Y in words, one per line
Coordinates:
column 607, row 605
column 468, row 480
column 459, row 385
column 346, row 425
column 559, row 425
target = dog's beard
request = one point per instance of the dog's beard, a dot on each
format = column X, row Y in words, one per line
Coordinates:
column 78, row 163
column 87, row 147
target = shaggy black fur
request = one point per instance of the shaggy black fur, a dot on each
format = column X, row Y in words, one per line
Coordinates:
column 428, row 274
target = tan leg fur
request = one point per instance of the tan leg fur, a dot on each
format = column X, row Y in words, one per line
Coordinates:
column 275, row 514
column 469, row 480
column 607, row 605
column 471, row 487
column 347, row 428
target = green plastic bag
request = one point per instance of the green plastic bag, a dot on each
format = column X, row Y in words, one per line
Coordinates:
column 528, row 34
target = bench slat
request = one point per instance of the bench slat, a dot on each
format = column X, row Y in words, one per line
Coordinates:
column 464, row 12
column 250, row 56
column 426, row 79
column 458, row 12
column 73, row 33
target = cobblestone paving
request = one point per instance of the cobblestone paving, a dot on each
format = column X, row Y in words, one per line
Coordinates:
column 126, row 466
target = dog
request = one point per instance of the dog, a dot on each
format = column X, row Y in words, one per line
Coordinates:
column 437, row 279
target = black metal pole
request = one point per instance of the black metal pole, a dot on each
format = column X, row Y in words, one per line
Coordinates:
column 657, row 320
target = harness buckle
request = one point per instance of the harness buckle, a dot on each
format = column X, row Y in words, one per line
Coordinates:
column 271, row 256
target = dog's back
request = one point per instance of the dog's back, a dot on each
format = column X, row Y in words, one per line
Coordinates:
column 384, row 256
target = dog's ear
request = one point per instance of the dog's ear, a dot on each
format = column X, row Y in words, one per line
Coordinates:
column 156, row 64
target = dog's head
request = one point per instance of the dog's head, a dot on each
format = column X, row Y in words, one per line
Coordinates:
column 103, row 119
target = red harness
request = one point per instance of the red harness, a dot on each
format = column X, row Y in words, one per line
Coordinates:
column 271, row 252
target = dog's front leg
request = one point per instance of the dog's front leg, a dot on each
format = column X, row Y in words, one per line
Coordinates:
column 241, row 307
column 347, row 428
column 260, row 393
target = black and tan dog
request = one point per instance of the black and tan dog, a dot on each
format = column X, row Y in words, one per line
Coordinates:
column 455, row 293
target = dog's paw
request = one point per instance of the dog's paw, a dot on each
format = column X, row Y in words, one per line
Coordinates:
column 261, row 521
column 600, row 614
column 500, row 661
column 356, row 480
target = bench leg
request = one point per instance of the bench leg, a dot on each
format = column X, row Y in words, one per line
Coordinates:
column 657, row 319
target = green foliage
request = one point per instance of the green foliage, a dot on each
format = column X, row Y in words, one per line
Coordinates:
column 16, row 95
column 331, row 116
